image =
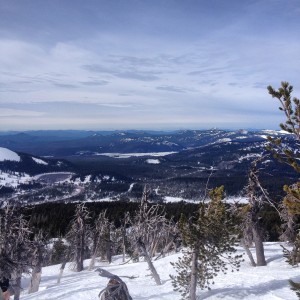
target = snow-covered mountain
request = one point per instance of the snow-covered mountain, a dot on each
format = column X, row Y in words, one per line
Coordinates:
column 126, row 142
column 8, row 155
column 180, row 168
column 19, row 168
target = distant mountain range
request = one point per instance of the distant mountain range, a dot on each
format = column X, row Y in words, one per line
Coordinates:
column 119, row 164
column 79, row 143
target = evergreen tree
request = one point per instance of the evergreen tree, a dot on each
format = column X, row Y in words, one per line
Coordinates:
column 291, row 203
column 291, row 109
column 210, row 239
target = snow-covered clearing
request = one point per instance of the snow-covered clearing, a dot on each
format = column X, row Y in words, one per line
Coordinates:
column 240, row 200
column 13, row 179
column 268, row 283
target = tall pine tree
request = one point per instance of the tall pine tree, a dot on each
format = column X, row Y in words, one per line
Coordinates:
column 209, row 238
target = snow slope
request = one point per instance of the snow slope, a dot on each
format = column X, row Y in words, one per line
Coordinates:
column 6, row 154
column 261, row 283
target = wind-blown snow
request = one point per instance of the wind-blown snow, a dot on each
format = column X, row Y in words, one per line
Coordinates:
column 260, row 283
column 6, row 154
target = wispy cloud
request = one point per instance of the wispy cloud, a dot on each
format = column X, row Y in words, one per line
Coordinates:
column 126, row 74
column 172, row 62
column 169, row 88
column 11, row 113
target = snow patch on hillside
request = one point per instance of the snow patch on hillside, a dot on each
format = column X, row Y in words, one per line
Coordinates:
column 6, row 154
column 127, row 155
column 249, row 156
column 39, row 161
column 224, row 140
column 231, row 199
column 153, row 161
column 13, row 179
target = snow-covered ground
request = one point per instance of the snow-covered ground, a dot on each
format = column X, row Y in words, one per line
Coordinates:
column 13, row 179
column 268, row 283
column 127, row 155
column 6, row 154
column 153, row 161
column 240, row 200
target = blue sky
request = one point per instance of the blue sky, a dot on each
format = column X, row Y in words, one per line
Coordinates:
column 145, row 64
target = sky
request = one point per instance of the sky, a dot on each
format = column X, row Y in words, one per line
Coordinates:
column 145, row 64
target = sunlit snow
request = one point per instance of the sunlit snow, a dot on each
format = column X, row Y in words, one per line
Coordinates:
column 259, row 283
column 6, row 154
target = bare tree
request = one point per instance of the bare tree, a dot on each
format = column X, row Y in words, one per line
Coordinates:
column 253, row 229
column 15, row 247
column 38, row 255
column 147, row 231
column 98, row 236
column 77, row 236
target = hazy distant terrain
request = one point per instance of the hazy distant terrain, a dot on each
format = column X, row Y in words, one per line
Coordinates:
column 86, row 165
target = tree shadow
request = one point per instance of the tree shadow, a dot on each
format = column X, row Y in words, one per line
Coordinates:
column 242, row 292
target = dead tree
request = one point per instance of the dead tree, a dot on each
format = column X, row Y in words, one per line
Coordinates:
column 147, row 232
column 77, row 236
column 66, row 257
column 123, row 229
column 97, row 235
column 257, row 197
column 38, row 254
column 15, row 247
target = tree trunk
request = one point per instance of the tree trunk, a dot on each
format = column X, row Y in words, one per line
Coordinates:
column 109, row 251
column 193, row 286
column 35, row 282
column 124, row 247
column 248, row 252
column 259, row 248
column 37, row 270
column 149, row 262
column 92, row 262
column 17, row 287
column 80, row 252
column 61, row 270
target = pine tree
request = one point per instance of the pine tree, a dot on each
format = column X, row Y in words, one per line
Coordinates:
column 290, row 106
column 210, row 239
column 291, row 202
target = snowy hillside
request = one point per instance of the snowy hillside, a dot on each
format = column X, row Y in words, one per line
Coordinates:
column 13, row 179
column 6, row 154
column 261, row 283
